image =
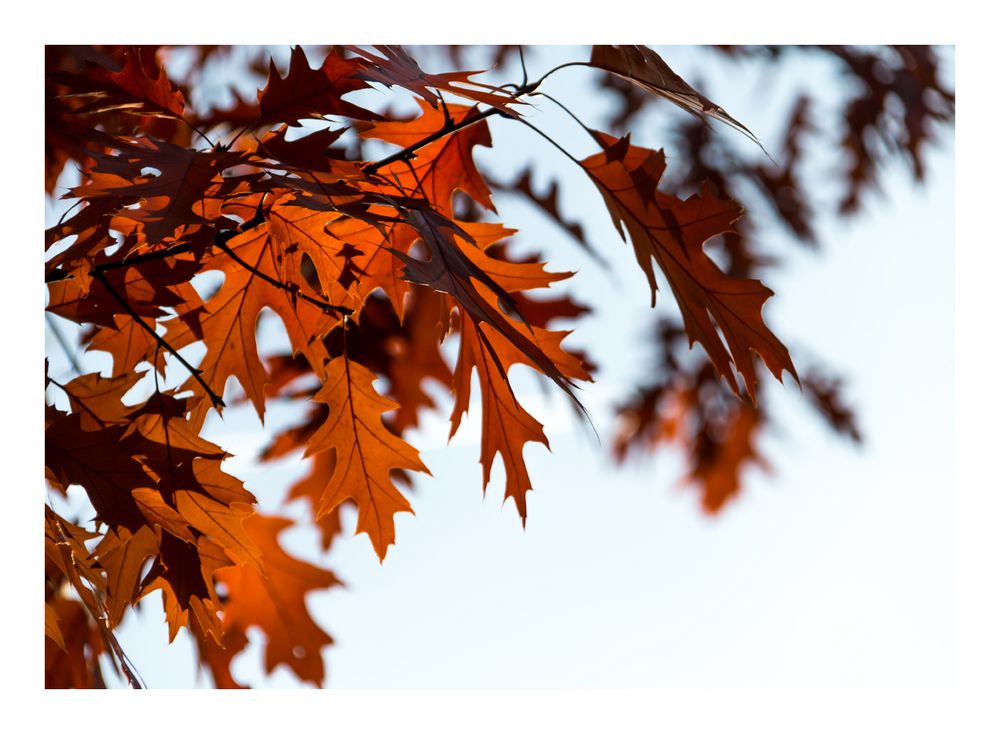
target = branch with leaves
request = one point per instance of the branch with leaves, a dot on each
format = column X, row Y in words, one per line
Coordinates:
column 371, row 264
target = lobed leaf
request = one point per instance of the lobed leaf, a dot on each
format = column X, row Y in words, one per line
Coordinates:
column 366, row 452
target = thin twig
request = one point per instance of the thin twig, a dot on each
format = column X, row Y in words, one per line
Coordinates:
column 202, row 135
column 326, row 307
column 56, row 275
column 446, row 129
column 217, row 402
column 564, row 109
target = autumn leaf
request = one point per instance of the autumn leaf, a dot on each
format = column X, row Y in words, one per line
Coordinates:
column 643, row 66
column 439, row 168
column 304, row 152
column 149, row 288
column 129, row 89
column 308, row 93
column 274, row 601
column 227, row 324
column 395, row 277
column 221, row 522
column 366, row 452
column 98, row 400
column 177, row 195
column 507, row 426
column 672, row 232
column 396, row 67
column 122, row 555
column 457, row 268
column 185, row 573
column 73, row 666
column 96, row 460
column 129, row 344
column 52, row 630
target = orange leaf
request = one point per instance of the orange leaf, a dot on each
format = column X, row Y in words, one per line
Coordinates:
column 130, row 89
column 97, row 461
column 122, row 555
column 159, row 514
column 366, row 452
column 274, row 601
column 52, row 626
column 223, row 523
column 457, row 268
column 228, row 322
column 181, row 193
column 506, row 425
column 441, row 167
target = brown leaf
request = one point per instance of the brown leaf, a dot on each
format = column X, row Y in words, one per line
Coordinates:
column 97, row 461
column 52, row 627
column 223, row 523
column 98, row 400
column 456, row 267
column 129, row 344
column 185, row 574
column 643, row 66
column 77, row 665
column 672, row 232
column 179, row 194
column 228, row 323
column 506, row 425
column 159, row 514
column 307, row 152
column 308, row 93
column 130, row 89
column 396, row 67
column 122, row 556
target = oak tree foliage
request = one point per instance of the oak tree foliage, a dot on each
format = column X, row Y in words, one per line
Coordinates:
column 375, row 239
